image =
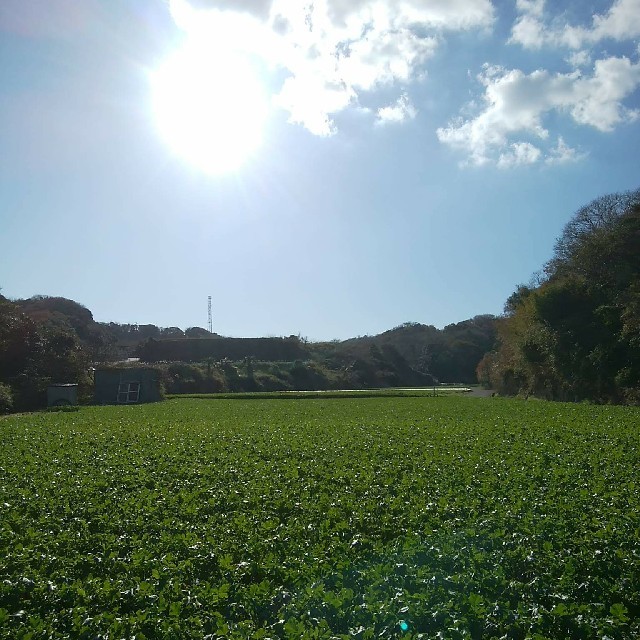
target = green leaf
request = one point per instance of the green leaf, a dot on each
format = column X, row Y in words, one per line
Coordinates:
column 619, row 612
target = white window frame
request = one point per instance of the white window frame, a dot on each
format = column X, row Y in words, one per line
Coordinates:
column 128, row 392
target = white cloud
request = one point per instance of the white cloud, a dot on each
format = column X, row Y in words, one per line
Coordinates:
column 562, row 153
column 519, row 153
column 398, row 112
column 596, row 101
column 333, row 51
column 532, row 7
column 515, row 103
column 620, row 22
column 384, row 58
column 258, row 8
column 529, row 31
column 439, row 14
column 310, row 101
column 579, row 59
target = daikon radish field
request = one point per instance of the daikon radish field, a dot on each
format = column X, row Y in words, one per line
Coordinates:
column 432, row 517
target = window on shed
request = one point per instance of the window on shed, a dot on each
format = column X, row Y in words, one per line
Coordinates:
column 128, row 392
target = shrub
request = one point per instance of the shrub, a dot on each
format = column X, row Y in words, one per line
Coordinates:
column 6, row 398
column 269, row 382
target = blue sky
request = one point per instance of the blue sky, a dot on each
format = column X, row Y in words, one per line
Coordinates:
column 330, row 168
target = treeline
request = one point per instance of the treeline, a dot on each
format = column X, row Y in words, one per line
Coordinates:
column 575, row 334
column 444, row 355
column 47, row 340
column 308, row 375
column 35, row 351
column 411, row 354
column 131, row 335
column 202, row 349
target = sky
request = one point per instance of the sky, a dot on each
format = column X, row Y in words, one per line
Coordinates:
column 328, row 168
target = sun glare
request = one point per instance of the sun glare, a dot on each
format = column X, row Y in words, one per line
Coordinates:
column 210, row 107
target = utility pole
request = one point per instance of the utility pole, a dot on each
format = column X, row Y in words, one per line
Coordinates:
column 210, row 319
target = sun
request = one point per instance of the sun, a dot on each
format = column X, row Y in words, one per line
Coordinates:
column 210, row 107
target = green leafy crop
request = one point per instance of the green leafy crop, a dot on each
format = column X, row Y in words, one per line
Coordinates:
column 321, row 518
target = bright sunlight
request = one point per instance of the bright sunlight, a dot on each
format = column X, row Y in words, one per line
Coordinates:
column 210, row 107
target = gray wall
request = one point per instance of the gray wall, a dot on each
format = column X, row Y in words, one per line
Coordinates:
column 107, row 383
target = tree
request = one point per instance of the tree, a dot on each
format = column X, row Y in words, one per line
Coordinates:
column 197, row 332
column 6, row 398
column 19, row 339
column 516, row 299
column 575, row 335
column 171, row 333
column 586, row 238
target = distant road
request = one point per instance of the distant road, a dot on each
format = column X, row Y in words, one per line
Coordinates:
column 412, row 389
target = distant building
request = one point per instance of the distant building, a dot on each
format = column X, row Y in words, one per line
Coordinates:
column 60, row 395
column 127, row 385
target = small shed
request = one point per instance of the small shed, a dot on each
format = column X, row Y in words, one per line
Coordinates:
column 127, row 385
column 60, row 395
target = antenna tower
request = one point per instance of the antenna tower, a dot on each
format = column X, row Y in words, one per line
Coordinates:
column 210, row 320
